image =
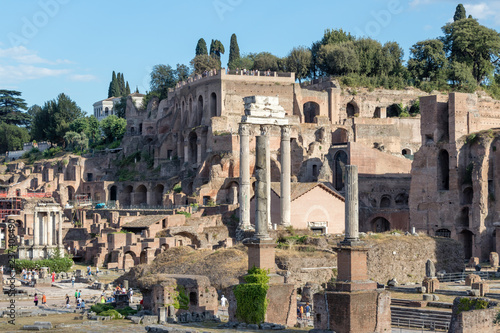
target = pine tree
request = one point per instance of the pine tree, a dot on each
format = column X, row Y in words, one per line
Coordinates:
column 111, row 85
column 127, row 89
column 234, row 53
column 201, row 47
column 136, row 89
column 459, row 13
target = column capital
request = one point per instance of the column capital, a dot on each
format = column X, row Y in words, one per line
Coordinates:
column 265, row 129
column 244, row 129
column 286, row 131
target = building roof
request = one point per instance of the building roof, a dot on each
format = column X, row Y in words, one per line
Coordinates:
column 144, row 221
column 299, row 189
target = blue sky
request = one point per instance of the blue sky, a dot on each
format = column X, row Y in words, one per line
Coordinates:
column 72, row 46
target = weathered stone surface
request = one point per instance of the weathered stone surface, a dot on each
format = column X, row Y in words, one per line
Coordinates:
column 494, row 259
column 430, row 270
column 148, row 320
column 471, row 320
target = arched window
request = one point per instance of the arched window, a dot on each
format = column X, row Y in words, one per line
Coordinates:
column 385, row 201
column 352, row 109
column 311, row 110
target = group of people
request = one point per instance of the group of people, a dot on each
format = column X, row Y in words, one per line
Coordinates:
column 31, row 276
column 36, row 300
column 304, row 312
column 245, row 71
column 89, row 271
column 80, row 302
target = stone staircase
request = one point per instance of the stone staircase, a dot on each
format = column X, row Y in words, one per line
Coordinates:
column 407, row 317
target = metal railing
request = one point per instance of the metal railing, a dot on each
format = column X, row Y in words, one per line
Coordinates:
column 453, row 277
column 422, row 324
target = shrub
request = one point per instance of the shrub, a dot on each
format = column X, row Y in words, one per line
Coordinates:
column 251, row 297
column 177, row 188
column 54, row 264
column 111, row 313
column 181, row 299
column 187, row 214
column 101, row 307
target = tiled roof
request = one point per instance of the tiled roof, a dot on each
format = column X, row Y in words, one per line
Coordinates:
column 299, row 189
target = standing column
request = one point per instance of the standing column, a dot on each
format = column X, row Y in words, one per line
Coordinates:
column 43, row 230
column 351, row 204
column 244, row 199
column 285, row 175
column 261, row 197
column 49, row 228
column 265, row 129
column 59, row 234
column 35, row 229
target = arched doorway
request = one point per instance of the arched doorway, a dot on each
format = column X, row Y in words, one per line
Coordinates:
column 158, row 195
column 193, row 147
column 311, row 110
column 380, row 224
column 443, row 171
column 340, row 163
column 129, row 259
column 406, row 152
column 352, row 109
column 127, row 195
column 71, row 193
column 466, row 238
column 141, row 195
column 213, row 105
column 112, row 193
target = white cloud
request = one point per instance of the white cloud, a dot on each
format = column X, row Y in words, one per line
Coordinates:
column 479, row 11
column 83, row 77
column 22, row 72
column 23, row 55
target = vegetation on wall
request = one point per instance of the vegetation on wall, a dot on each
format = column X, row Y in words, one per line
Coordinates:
column 251, row 297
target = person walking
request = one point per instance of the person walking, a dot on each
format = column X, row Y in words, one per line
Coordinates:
column 308, row 311
column 44, row 299
column 53, row 277
column 36, row 299
column 76, row 295
column 301, row 312
column 73, row 281
column 223, row 301
column 67, row 301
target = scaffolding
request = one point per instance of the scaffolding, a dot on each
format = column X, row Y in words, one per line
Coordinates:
column 10, row 206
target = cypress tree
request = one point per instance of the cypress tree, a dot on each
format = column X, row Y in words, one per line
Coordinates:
column 234, row 53
column 459, row 13
column 113, row 81
column 137, row 89
column 201, row 47
column 121, row 84
column 127, row 90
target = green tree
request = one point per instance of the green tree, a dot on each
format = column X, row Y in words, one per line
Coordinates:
column 338, row 59
column 266, row 61
column 162, row 78
column 477, row 46
column 121, row 85
column 120, row 107
column 52, row 121
column 392, row 59
column 234, row 53
column 330, row 36
column 299, row 62
column 127, row 89
column 459, row 13
column 94, row 131
column 370, row 56
column 76, row 141
column 113, row 128
column 201, row 47
column 216, row 49
column 113, row 86
column 12, row 137
column 202, row 63
column 246, row 61
column 12, row 107
column 460, row 74
column 182, row 72
column 428, row 61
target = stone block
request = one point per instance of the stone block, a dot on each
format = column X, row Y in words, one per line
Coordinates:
column 430, row 284
column 31, row 328
column 474, row 261
column 482, row 287
column 44, row 324
column 494, row 259
column 472, row 278
column 148, row 320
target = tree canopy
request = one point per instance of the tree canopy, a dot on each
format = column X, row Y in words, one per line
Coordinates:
column 234, row 53
column 201, row 47
column 459, row 13
column 118, row 87
column 12, row 108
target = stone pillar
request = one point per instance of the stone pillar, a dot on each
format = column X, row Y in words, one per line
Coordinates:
column 35, row 229
column 59, row 234
column 244, row 199
column 261, row 198
column 49, row 228
column 125, row 284
column 351, row 205
column 265, row 129
column 285, row 176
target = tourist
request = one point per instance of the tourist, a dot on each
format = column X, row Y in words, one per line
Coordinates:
column 103, row 299
column 36, row 299
column 308, row 311
column 44, row 299
column 76, row 295
column 96, row 271
column 1, row 270
column 73, row 281
column 82, row 305
column 130, row 294
column 89, row 272
column 53, row 277
column 223, row 301
column 79, row 294
column 301, row 312
column 67, row 301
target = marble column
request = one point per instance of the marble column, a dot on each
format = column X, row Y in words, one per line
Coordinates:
column 244, row 198
column 59, row 234
column 49, row 228
column 265, row 131
column 351, row 204
column 35, row 229
column 285, row 176
column 261, row 198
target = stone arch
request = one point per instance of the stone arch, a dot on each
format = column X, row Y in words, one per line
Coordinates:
column 401, row 199
column 443, row 170
column 71, row 193
column 199, row 109
column 406, row 152
column 380, row 224
column 443, row 232
column 127, row 195
column 466, row 237
column 340, row 163
column 311, row 110
column 193, row 147
column 385, row 201
column 113, row 193
column 164, row 247
column 191, row 236
column 213, row 105
column 129, row 259
column 141, row 195
column 468, row 196
column 352, row 109
column 158, row 195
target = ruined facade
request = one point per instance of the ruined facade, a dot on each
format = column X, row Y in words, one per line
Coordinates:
column 453, row 181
